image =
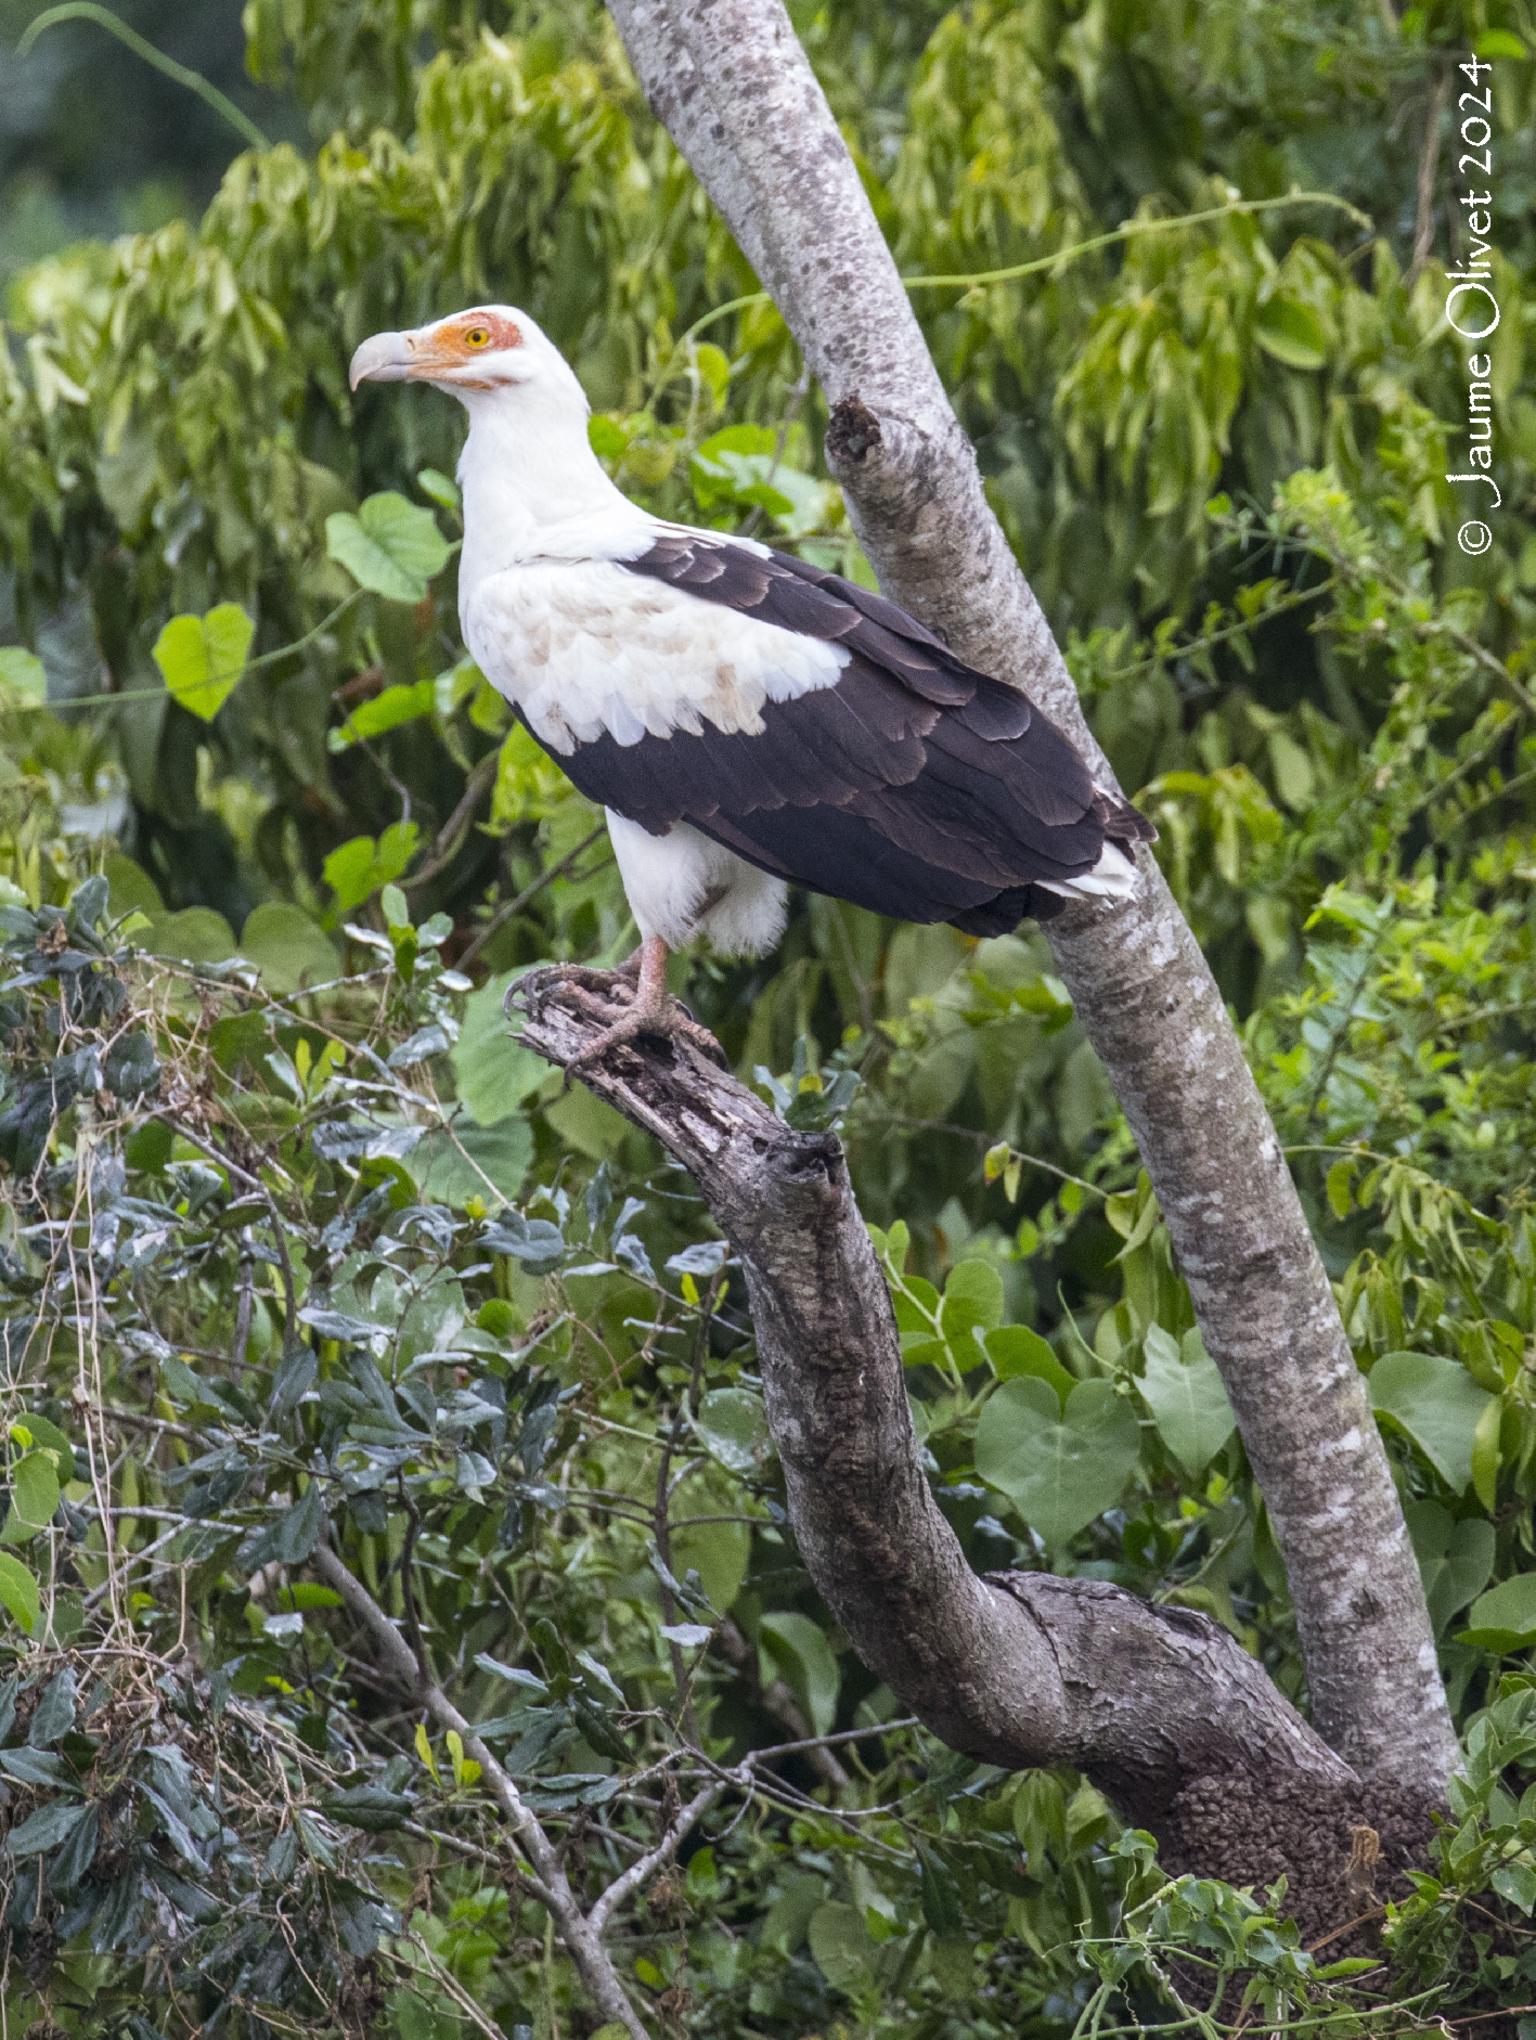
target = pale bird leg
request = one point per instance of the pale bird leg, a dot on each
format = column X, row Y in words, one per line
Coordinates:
column 651, row 1012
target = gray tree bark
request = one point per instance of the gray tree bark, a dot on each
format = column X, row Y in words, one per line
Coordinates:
column 729, row 80
column 1158, row 1705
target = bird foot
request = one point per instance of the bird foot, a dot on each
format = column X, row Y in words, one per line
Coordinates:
column 594, row 991
column 597, row 993
column 665, row 1019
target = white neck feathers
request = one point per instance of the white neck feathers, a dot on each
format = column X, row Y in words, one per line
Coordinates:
column 528, row 466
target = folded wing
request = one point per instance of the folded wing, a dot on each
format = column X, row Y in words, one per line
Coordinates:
column 894, row 777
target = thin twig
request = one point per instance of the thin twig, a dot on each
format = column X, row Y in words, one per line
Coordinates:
column 547, row 1879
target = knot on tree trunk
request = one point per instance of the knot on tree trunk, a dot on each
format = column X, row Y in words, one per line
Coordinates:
column 851, row 431
column 1343, row 1848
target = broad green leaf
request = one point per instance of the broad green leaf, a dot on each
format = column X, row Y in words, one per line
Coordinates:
column 495, row 1076
column 387, row 710
column 1503, row 1619
column 1292, row 332
column 355, row 870
column 131, row 1067
column 939, row 1894
column 34, row 1482
column 131, row 887
column 1486, row 1456
column 484, row 1162
column 55, row 1713
column 1437, row 1403
column 1060, row 1467
column 391, row 547
column 1016, row 1350
column 1182, row 1388
column 195, row 935
column 202, row 657
column 719, row 1553
column 797, row 1647
column 840, row 1944
column 1455, row 1559
column 973, row 1301
column 288, row 948
column 734, row 1427
column 41, row 1431
column 19, row 1592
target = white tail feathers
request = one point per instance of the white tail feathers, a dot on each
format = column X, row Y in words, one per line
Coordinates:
column 1113, row 877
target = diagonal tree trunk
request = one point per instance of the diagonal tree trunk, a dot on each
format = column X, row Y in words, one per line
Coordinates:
column 1158, row 1705
column 729, row 80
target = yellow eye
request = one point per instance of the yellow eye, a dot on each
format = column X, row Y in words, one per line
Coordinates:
column 477, row 336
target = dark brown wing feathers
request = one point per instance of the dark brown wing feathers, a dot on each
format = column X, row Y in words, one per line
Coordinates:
column 914, row 786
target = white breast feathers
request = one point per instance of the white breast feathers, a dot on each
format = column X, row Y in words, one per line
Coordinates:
column 585, row 647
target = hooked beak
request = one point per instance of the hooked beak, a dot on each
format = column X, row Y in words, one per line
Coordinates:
column 389, row 357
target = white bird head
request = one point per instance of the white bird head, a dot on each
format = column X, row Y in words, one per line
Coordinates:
column 489, row 354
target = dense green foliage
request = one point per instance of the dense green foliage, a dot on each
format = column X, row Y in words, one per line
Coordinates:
column 297, row 1245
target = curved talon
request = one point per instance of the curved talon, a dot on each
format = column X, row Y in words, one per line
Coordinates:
column 577, row 978
column 671, row 1022
column 638, row 984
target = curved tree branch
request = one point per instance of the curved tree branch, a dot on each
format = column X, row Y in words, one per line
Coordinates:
column 730, row 81
column 1160, row 1706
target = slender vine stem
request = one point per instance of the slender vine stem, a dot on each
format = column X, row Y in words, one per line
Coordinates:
column 180, row 74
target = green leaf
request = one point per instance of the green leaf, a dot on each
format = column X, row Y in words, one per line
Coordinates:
column 391, row 547
column 484, row 1162
column 77, row 1854
column 1060, row 1467
column 1486, row 1458
column 195, row 935
column 973, row 1301
column 297, row 1530
column 34, row 1496
column 356, row 869
column 373, row 1808
column 1517, row 1883
column 734, row 1428
column 19, row 1592
column 1500, row 42
column 288, row 948
column 1015, row 1350
column 1183, row 1389
column 46, row 1828
column 719, row 1553
column 1503, row 1619
column 132, row 1067
column 202, row 657
column 22, row 675
column 797, row 1647
column 1455, row 1559
column 442, row 489
column 42, row 1431
column 495, row 1076
column 387, row 710
column 1292, row 332
column 1437, row 1403
column 938, row 1894
column 55, row 1712
column 840, row 1944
